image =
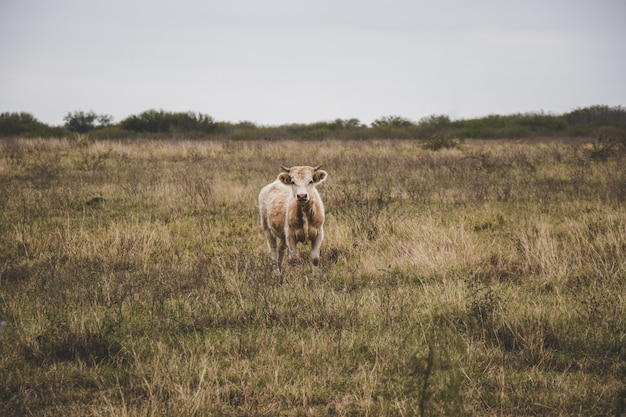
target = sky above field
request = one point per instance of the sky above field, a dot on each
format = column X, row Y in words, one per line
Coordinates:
column 293, row 61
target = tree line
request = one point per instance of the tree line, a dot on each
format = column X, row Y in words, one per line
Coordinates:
column 594, row 121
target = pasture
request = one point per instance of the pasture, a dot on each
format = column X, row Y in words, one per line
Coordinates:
column 484, row 279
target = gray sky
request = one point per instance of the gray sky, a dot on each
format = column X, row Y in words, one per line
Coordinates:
column 293, row 61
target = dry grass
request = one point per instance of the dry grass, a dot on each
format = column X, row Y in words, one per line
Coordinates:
column 485, row 279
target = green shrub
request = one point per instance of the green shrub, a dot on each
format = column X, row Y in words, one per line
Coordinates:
column 84, row 122
column 152, row 121
column 26, row 125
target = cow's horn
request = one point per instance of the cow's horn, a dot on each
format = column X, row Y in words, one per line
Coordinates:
column 284, row 168
column 318, row 167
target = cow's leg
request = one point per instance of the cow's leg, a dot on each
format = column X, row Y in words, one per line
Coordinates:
column 273, row 249
column 316, row 244
column 280, row 255
column 292, row 243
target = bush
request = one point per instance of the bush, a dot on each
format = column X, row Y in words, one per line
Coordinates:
column 435, row 126
column 26, row 125
column 152, row 121
column 610, row 144
column 81, row 122
column 392, row 121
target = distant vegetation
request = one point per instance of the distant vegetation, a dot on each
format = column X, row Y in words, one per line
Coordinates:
column 598, row 121
column 81, row 122
column 25, row 125
column 153, row 121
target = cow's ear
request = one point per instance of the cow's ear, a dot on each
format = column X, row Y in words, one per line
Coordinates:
column 319, row 176
column 285, row 178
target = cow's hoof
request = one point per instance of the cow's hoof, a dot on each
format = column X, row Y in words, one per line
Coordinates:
column 276, row 270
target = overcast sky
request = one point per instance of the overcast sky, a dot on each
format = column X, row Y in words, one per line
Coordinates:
column 293, row 61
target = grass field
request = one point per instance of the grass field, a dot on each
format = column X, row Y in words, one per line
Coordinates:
column 485, row 279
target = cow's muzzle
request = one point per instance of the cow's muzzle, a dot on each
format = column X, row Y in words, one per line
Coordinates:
column 302, row 198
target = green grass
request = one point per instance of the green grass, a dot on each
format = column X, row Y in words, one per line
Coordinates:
column 488, row 278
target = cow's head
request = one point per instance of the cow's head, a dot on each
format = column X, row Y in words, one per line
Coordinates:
column 302, row 180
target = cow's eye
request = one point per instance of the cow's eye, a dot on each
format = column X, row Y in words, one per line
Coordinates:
column 311, row 182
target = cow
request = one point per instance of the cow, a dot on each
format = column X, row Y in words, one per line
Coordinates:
column 292, row 211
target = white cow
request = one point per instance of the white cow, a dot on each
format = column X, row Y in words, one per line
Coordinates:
column 292, row 211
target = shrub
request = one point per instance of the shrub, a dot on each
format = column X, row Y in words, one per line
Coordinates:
column 26, row 125
column 81, row 122
column 152, row 121
column 611, row 143
column 394, row 121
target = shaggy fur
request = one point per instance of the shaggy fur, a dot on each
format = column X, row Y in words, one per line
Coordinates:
column 292, row 211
